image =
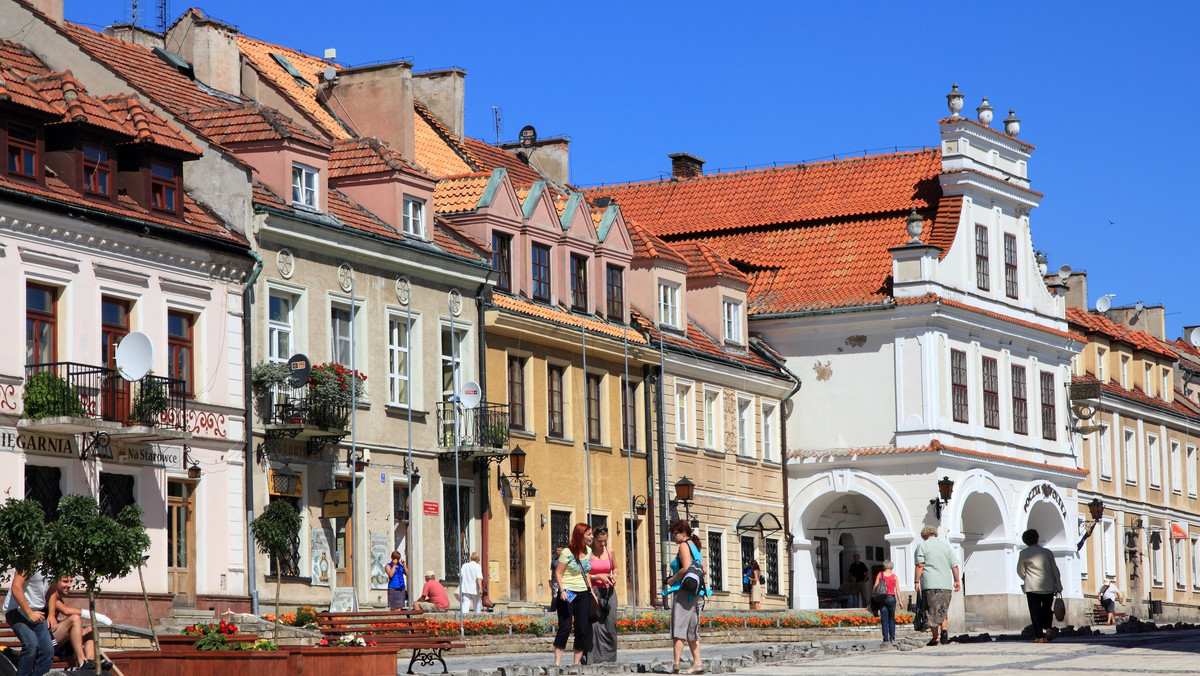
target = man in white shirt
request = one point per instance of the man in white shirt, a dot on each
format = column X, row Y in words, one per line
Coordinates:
column 470, row 585
column 1109, row 596
column 24, row 611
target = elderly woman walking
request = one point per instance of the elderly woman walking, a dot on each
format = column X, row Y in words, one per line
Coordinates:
column 685, row 604
column 575, row 595
column 936, row 575
column 1039, row 573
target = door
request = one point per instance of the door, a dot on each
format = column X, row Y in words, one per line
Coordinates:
column 344, row 547
column 633, row 576
column 516, row 554
column 181, row 555
column 747, row 557
column 114, row 325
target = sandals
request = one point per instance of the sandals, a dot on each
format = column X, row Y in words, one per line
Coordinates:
column 695, row 670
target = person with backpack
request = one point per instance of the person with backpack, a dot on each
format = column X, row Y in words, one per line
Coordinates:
column 687, row 589
column 753, row 577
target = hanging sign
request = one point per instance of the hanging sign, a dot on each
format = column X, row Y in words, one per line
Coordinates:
column 336, row 503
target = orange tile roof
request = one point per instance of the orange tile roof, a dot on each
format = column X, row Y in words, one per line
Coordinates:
column 249, row 123
column 16, row 56
column 934, row 298
column 1091, row 322
column 703, row 262
column 485, row 157
column 454, row 241
column 147, row 126
column 648, row 247
column 934, row 447
column 266, row 197
column 368, row 155
column 558, row 316
column 1137, row 395
column 1185, row 349
column 432, row 150
column 64, row 92
column 459, row 194
column 700, row 343
column 258, row 55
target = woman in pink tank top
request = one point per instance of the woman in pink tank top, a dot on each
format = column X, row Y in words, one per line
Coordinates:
column 603, row 579
column 887, row 609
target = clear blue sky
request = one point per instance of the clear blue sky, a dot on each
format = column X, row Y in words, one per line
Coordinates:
column 1106, row 91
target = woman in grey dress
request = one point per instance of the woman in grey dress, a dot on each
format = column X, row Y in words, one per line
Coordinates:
column 685, row 606
column 603, row 578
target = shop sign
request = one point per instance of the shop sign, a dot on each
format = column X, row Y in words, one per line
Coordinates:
column 431, row 509
column 38, row 444
column 336, row 503
column 170, row 457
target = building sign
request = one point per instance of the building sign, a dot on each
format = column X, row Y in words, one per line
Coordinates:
column 38, row 444
column 170, row 457
column 335, row 503
column 1047, row 491
column 431, row 509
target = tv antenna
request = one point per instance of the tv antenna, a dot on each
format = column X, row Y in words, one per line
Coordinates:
column 496, row 111
column 162, row 16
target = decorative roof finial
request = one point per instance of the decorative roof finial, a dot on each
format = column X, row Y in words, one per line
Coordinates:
column 984, row 111
column 915, row 224
column 954, row 101
column 1012, row 123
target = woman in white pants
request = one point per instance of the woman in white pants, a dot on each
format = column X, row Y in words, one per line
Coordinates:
column 470, row 585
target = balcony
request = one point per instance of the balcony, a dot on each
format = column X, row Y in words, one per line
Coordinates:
column 72, row 398
column 482, row 431
column 298, row 414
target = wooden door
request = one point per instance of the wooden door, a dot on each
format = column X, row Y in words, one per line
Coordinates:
column 516, row 555
column 344, row 547
column 631, row 564
column 114, row 325
column 181, row 530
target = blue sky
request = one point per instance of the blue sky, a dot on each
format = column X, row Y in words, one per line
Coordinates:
column 1105, row 91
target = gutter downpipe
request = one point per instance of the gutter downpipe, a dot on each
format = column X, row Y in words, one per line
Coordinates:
column 783, row 409
column 661, row 425
column 650, row 379
column 485, row 471
column 247, row 358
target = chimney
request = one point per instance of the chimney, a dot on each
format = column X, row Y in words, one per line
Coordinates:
column 53, row 9
column 684, row 165
column 378, row 101
column 551, row 156
column 128, row 32
column 212, row 49
column 444, row 93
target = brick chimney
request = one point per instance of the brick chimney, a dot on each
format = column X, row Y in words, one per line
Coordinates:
column 211, row 46
column 128, row 32
column 551, row 156
column 685, row 165
column 378, row 101
column 53, row 9
column 444, row 93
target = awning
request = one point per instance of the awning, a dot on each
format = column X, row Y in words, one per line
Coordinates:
column 764, row 523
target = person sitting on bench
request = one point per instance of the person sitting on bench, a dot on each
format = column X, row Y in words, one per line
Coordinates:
column 67, row 633
column 848, row 593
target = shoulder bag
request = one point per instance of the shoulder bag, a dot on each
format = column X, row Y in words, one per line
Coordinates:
column 879, row 593
column 593, row 614
column 693, row 579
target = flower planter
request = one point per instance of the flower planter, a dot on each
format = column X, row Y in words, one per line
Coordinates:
column 179, row 642
column 207, row 663
column 347, row 661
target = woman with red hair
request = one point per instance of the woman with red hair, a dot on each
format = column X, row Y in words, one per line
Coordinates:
column 575, row 596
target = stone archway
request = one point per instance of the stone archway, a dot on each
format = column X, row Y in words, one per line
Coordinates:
column 981, row 527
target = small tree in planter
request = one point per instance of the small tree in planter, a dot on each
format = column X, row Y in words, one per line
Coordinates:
column 22, row 534
column 273, row 532
column 84, row 542
column 150, row 401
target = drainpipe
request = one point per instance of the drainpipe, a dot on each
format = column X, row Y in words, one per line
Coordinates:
column 661, row 426
column 648, row 377
column 485, row 503
column 251, row 555
column 787, row 522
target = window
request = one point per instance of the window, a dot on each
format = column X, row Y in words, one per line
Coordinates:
column 716, row 572
column 768, row 433
column 502, row 259
column 290, row 561
column 44, row 484
column 560, row 529
column 1131, row 460
column 1049, row 426
column 116, row 493
column 579, row 286
column 1010, row 265
column 304, row 186
column 339, row 335
column 982, row 275
column 1166, row 383
column 1148, row 381
column 22, row 150
column 745, row 427
column 452, row 360
column 96, row 170
column 1100, row 356
column 554, row 386
column 733, row 321
column 414, row 217
column 180, row 348
column 991, row 394
column 1154, row 461
column 668, row 304
column 1195, row 547
column 516, row 393
column 1176, row 468
column 164, row 185
column 540, row 265
column 821, row 559
column 457, row 521
column 279, row 323
column 1020, row 401
column 593, row 408
column 958, row 384
column 615, row 293
column 1102, row 438
column 401, row 514
column 41, row 310
column 710, row 420
column 683, row 396
column 1180, row 550
column 1124, row 371
column 399, row 341
column 1191, row 470
column 1108, row 552
column 747, row 557
column 1156, row 557
column 772, row 552
column 629, row 415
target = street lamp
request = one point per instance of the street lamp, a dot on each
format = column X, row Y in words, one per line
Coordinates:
column 685, row 490
column 1096, row 511
column 945, row 490
column 193, row 470
column 517, row 483
column 640, row 505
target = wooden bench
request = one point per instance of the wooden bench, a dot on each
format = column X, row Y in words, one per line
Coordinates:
column 405, row 630
column 1100, row 616
column 8, row 639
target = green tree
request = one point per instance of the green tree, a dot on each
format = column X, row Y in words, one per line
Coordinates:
column 274, row 530
column 22, row 535
column 86, row 543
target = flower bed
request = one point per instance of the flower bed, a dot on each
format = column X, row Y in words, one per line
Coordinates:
column 304, row 618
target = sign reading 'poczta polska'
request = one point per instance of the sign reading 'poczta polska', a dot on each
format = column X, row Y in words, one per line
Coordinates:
column 13, row 440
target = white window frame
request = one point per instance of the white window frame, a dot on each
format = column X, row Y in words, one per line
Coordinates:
column 683, row 412
column 1195, row 547
column 1153, row 461
column 306, row 187
column 712, row 419
column 1108, row 549
column 745, row 426
column 336, row 338
column 724, row 559
column 1125, row 372
column 1129, row 448
column 414, row 217
column 278, row 328
column 668, row 304
column 1166, row 384
column 1100, row 355
column 1191, row 470
column 398, row 322
column 1179, row 554
column 769, row 426
column 1148, row 380
column 1176, row 468
column 732, row 314
column 1157, row 558
column 1104, row 451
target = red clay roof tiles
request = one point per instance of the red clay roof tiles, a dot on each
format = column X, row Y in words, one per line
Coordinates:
column 703, row 262
column 648, row 247
column 558, row 316
column 249, row 123
column 304, row 97
column 1178, row 406
column 368, row 155
column 459, row 194
column 699, row 342
column 1091, row 322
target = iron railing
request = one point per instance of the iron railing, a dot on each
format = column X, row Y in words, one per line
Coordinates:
column 69, row 389
column 485, row 426
column 300, row 406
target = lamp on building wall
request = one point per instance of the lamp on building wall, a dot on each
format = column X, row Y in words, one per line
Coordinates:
column 1096, row 511
column 685, row 491
column 945, row 490
column 410, row 468
column 640, row 505
column 193, row 470
column 284, row 481
column 518, row 483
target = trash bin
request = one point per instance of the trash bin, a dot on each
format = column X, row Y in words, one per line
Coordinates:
column 1155, row 607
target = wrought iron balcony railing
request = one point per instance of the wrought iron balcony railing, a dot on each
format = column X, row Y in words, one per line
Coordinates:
column 485, row 426
column 300, row 406
column 72, row 390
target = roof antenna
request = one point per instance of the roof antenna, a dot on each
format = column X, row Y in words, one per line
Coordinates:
column 496, row 116
column 162, row 16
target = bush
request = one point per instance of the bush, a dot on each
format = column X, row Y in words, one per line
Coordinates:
column 150, row 401
column 46, row 396
column 266, row 376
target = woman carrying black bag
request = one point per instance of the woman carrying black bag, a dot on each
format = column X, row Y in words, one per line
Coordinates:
column 687, row 589
column 886, row 584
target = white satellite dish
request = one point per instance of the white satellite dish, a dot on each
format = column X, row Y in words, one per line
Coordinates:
column 1064, row 273
column 1139, row 307
column 1103, row 303
column 329, row 74
column 1194, row 337
column 471, row 394
column 135, row 355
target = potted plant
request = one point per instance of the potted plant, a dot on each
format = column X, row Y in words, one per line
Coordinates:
column 47, row 395
column 268, row 378
column 330, row 386
column 150, row 401
column 495, row 436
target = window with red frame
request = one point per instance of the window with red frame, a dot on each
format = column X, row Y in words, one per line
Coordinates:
column 615, row 293
column 579, row 283
column 554, row 387
column 502, row 259
column 164, row 186
column 540, row 266
column 516, row 393
column 1049, row 431
column 22, row 150
column 96, row 171
column 180, row 347
column 958, row 384
column 983, row 278
column 1020, row 401
column 41, row 319
column 1010, row 265
column 991, row 394
column 593, row 408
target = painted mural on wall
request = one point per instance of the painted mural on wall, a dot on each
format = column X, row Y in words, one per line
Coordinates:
column 322, row 560
column 379, row 558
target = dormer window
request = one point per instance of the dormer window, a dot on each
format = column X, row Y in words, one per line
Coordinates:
column 414, row 217
column 164, row 187
column 22, row 151
column 539, row 261
column 668, row 304
column 733, row 321
column 579, row 283
column 304, row 187
column 502, row 259
column 615, row 293
column 97, row 172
